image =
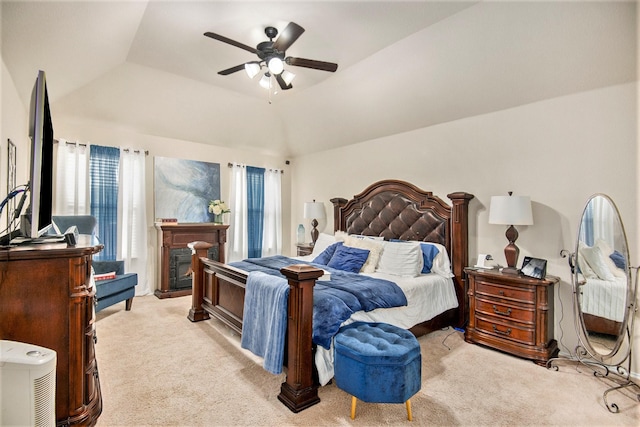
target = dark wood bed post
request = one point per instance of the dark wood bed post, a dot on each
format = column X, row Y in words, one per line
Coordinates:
column 300, row 390
column 460, row 246
column 198, row 250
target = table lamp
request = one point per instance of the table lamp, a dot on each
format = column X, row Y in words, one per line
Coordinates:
column 511, row 210
column 314, row 210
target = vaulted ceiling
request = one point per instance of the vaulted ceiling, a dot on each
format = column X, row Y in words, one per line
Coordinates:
column 145, row 66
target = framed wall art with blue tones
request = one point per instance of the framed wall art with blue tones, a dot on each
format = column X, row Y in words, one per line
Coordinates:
column 183, row 188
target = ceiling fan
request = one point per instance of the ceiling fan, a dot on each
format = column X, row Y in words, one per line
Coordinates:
column 272, row 55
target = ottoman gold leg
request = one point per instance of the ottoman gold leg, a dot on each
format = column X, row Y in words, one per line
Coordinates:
column 409, row 417
column 353, row 407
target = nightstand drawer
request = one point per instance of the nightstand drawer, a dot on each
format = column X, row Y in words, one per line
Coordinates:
column 506, row 311
column 505, row 330
column 524, row 295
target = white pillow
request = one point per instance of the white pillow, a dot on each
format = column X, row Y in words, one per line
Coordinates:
column 441, row 263
column 595, row 258
column 606, row 253
column 583, row 264
column 362, row 236
column 323, row 242
column 340, row 236
column 401, row 259
column 374, row 247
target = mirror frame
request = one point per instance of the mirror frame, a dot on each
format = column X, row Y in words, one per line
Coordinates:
column 583, row 334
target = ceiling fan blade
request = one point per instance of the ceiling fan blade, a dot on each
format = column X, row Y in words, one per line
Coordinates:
column 231, row 42
column 310, row 63
column 231, row 70
column 282, row 83
column 289, row 35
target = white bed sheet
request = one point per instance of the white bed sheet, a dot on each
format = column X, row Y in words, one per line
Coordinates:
column 604, row 298
column 427, row 296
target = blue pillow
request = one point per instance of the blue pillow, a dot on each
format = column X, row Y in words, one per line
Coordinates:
column 618, row 260
column 348, row 259
column 429, row 252
column 325, row 256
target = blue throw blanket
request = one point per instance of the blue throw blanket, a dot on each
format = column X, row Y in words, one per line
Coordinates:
column 265, row 318
column 335, row 300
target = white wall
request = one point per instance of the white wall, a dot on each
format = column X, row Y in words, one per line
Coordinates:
column 558, row 151
column 13, row 126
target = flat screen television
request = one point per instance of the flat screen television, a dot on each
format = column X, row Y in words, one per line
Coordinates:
column 37, row 219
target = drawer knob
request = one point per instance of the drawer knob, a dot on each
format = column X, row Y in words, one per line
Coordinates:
column 498, row 331
column 501, row 293
column 502, row 313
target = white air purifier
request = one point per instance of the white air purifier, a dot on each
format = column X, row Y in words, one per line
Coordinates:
column 27, row 385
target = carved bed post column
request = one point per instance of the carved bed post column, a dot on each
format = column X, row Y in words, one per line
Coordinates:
column 198, row 249
column 300, row 390
column 338, row 203
column 460, row 243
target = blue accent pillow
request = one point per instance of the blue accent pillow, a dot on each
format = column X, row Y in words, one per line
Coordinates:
column 325, row 256
column 348, row 259
column 429, row 252
column 618, row 260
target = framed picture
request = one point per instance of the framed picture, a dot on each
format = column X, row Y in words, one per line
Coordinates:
column 534, row 267
column 11, row 178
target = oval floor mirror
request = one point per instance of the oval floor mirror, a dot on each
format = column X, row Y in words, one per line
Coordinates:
column 604, row 296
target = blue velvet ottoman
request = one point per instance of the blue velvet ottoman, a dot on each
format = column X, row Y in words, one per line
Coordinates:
column 377, row 362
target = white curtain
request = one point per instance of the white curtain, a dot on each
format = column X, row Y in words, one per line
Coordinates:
column 132, row 218
column 72, row 179
column 238, row 247
column 272, row 229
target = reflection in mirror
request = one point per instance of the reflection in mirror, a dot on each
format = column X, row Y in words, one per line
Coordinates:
column 604, row 296
column 602, row 278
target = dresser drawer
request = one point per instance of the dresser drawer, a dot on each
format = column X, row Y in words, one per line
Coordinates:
column 505, row 311
column 524, row 295
column 505, row 330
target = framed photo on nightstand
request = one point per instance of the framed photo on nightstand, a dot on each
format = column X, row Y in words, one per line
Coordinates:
column 534, row 267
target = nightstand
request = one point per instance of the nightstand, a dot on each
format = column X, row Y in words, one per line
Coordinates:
column 512, row 313
column 304, row 249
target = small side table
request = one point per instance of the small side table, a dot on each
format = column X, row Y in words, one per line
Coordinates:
column 304, row 249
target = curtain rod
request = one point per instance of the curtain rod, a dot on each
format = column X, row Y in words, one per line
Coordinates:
column 271, row 169
column 55, row 141
column 146, row 152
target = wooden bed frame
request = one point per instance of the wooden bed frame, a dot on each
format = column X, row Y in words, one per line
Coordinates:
column 392, row 209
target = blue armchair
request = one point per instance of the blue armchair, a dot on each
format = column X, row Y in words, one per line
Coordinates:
column 109, row 291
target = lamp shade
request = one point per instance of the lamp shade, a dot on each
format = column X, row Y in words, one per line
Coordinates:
column 314, row 210
column 252, row 69
column 287, row 76
column 275, row 65
column 510, row 210
column 265, row 81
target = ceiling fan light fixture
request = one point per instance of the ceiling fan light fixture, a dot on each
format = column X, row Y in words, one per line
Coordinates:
column 287, row 76
column 265, row 81
column 275, row 64
column 252, row 69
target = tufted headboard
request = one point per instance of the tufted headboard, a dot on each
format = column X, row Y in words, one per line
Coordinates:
column 396, row 209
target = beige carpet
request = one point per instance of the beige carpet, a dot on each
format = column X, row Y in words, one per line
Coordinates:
column 158, row 368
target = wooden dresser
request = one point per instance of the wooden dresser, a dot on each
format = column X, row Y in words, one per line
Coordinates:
column 46, row 299
column 512, row 313
column 174, row 258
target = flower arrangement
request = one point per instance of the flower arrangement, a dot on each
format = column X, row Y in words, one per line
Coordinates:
column 218, row 207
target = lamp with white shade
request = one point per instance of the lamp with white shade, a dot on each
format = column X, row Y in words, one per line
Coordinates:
column 314, row 211
column 511, row 210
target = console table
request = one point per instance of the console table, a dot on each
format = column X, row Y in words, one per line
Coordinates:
column 47, row 299
column 174, row 258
